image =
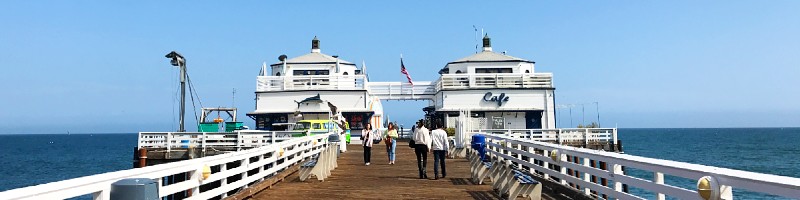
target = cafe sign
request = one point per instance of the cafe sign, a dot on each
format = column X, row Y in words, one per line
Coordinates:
column 499, row 99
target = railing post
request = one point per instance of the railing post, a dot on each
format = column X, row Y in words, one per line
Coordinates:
column 238, row 141
column 546, row 164
column 586, row 175
column 272, row 138
column 246, row 165
column 659, row 179
column 203, row 142
column 614, row 136
column 530, row 135
column 194, row 175
column 169, row 138
column 224, row 181
column 101, row 195
column 617, row 171
column 558, row 136
column 585, row 137
column 561, row 159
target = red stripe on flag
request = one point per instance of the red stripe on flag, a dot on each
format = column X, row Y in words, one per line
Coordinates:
column 404, row 71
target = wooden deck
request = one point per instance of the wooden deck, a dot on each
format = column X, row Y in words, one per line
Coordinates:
column 353, row 180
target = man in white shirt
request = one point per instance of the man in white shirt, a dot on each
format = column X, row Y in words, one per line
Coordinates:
column 440, row 146
column 422, row 141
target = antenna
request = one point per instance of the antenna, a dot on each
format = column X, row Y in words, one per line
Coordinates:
column 233, row 99
column 476, row 38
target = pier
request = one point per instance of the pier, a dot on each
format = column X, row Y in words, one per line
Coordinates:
column 379, row 180
column 273, row 171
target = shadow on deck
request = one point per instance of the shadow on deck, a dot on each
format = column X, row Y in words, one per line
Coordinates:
column 353, row 180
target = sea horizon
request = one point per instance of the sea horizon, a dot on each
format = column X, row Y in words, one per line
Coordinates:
column 136, row 132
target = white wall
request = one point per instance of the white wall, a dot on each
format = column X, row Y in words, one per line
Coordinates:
column 473, row 100
column 285, row 101
column 516, row 67
column 518, row 100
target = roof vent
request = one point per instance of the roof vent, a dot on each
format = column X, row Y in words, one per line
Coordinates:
column 487, row 43
column 315, row 45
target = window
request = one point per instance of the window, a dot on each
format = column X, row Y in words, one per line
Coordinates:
column 310, row 72
column 459, row 72
column 345, row 73
column 302, row 126
column 492, row 70
column 278, row 74
column 317, row 126
column 527, row 71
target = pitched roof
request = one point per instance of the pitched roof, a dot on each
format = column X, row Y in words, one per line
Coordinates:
column 489, row 56
column 314, row 58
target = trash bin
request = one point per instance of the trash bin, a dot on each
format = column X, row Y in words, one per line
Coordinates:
column 334, row 140
column 134, row 189
column 479, row 144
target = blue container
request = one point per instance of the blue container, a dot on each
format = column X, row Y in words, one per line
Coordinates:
column 185, row 143
column 479, row 144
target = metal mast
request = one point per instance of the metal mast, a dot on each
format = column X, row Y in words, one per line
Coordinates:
column 180, row 62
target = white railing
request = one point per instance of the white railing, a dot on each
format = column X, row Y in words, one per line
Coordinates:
column 560, row 136
column 310, row 82
column 520, row 80
column 238, row 139
column 248, row 166
column 399, row 90
column 602, row 172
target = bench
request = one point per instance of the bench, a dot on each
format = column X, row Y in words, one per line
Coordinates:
column 525, row 185
column 319, row 165
column 482, row 169
column 512, row 182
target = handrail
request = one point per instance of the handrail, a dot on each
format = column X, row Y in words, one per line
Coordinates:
column 400, row 90
column 611, row 164
column 237, row 139
column 250, row 165
column 561, row 135
column 515, row 80
column 310, row 82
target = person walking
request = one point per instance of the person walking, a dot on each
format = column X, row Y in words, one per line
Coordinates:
column 422, row 140
column 367, row 135
column 440, row 148
column 391, row 141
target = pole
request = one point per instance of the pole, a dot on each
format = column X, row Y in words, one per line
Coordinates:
column 570, row 117
column 597, row 107
column 583, row 115
column 183, row 96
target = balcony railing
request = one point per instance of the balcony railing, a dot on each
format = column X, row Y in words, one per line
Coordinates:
column 466, row 81
column 446, row 82
column 310, row 82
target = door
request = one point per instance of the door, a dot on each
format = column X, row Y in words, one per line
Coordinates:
column 533, row 119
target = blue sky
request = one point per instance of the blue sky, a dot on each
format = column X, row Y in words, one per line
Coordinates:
column 97, row 66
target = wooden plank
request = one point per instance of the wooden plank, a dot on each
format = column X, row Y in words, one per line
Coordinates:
column 263, row 185
column 353, row 180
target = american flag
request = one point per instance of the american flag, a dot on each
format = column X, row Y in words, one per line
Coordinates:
column 404, row 71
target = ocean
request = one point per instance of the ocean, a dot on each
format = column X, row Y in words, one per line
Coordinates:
column 31, row 159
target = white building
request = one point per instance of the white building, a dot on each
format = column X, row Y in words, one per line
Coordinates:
column 500, row 91
column 280, row 92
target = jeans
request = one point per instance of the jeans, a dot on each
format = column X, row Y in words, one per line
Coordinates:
column 367, row 153
column 421, row 151
column 391, row 149
column 438, row 159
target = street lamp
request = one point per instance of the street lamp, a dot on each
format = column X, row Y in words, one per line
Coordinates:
column 179, row 61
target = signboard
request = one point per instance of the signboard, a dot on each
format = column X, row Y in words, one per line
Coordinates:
column 498, row 123
column 488, row 97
